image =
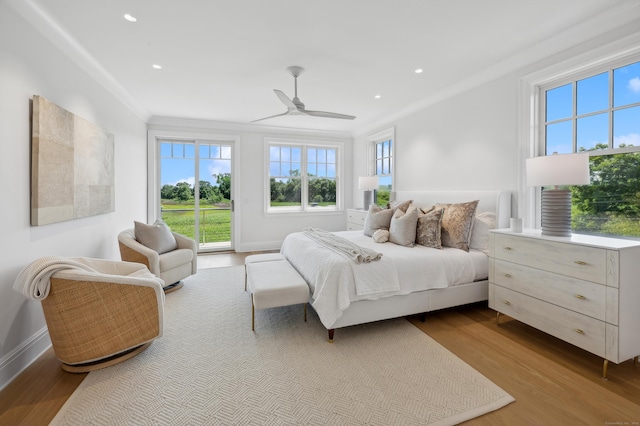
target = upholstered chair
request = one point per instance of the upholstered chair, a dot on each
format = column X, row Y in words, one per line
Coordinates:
column 103, row 315
column 170, row 261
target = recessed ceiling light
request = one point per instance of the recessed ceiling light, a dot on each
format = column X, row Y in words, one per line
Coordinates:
column 418, row 71
column 156, row 66
column 130, row 18
column 377, row 96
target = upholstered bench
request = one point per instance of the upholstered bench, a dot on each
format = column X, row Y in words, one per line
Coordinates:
column 263, row 257
column 273, row 284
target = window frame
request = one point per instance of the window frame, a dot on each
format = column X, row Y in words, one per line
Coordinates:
column 532, row 129
column 305, row 207
column 373, row 140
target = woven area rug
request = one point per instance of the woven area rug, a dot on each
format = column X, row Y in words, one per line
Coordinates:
column 210, row 368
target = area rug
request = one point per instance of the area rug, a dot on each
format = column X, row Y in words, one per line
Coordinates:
column 210, row 368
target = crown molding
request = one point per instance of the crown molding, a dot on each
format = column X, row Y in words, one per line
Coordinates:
column 74, row 50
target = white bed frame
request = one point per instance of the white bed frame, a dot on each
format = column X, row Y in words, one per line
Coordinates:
column 430, row 300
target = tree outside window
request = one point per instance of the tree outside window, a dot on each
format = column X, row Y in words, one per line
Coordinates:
column 600, row 114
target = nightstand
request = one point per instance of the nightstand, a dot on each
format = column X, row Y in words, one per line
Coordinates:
column 355, row 219
column 582, row 289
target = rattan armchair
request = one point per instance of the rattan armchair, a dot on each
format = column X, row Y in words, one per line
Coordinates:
column 97, row 319
column 172, row 266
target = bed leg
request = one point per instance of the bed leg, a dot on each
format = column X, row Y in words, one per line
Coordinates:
column 331, row 330
column 423, row 317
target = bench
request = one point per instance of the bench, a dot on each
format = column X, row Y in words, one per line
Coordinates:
column 273, row 283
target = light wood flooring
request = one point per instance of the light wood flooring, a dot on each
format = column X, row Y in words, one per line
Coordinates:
column 553, row 382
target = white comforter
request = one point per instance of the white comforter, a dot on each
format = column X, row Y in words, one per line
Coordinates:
column 402, row 270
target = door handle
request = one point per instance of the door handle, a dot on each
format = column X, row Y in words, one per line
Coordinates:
column 233, row 205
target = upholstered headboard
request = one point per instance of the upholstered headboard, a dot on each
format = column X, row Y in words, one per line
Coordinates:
column 495, row 201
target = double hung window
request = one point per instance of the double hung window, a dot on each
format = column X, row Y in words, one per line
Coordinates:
column 381, row 148
column 599, row 113
column 303, row 177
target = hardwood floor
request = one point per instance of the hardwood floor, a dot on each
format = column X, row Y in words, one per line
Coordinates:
column 553, row 382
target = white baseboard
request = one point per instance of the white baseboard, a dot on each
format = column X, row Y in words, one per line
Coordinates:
column 16, row 361
column 259, row 246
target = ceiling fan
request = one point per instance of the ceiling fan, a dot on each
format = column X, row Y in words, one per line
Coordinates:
column 296, row 107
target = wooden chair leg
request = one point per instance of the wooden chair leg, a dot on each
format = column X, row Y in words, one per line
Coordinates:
column 305, row 312
column 253, row 314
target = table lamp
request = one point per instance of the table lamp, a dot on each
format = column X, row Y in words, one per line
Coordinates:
column 553, row 171
column 368, row 184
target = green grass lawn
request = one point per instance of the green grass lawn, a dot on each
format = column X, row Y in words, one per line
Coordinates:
column 215, row 222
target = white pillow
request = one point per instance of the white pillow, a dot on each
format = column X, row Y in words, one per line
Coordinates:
column 157, row 237
column 480, row 231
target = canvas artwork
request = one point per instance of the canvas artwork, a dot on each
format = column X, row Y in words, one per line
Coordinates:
column 72, row 170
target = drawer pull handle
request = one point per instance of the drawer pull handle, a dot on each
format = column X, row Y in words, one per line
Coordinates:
column 506, row 302
column 579, row 296
column 507, row 275
column 577, row 330
column 507, row 248
column 580, row 262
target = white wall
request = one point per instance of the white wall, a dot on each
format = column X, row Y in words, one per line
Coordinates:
column 30, row 65
column 257, row 230
column 468, row 141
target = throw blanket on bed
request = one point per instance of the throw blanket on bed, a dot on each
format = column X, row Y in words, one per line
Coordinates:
column 33, row 280
column 343, row 246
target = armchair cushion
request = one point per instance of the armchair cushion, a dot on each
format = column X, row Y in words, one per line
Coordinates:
column 157, row 237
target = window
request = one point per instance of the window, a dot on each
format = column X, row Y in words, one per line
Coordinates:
column 599, row 113
column 303, row 177
column 382, row 164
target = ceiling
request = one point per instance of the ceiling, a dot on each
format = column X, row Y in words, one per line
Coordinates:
column 221, row 60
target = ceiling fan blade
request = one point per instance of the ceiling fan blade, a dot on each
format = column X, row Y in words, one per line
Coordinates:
column 285, row 100
column 271, row 116
column 329, row 114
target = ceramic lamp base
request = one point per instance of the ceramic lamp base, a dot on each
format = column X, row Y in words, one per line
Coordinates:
column 556, row 212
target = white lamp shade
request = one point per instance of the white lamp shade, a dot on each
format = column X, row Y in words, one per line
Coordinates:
column 368, row 183
column 558, row 169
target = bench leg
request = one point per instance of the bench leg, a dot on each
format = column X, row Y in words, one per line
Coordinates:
column 331, row 330
column 253, row 314
column 245, row 277
column 305, row 312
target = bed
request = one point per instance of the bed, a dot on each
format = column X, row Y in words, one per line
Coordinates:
column 406, row 280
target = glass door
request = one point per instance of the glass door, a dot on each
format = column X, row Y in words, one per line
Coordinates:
column 200, row 208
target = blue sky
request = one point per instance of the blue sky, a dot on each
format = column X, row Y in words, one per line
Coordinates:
column 593, row 95
column 214, row 159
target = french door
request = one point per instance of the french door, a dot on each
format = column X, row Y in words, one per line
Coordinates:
column 201, row 208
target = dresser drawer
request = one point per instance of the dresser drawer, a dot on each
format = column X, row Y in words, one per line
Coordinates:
column 580, row 330
column 581, row 296
column 587, row 263
column 356, row 216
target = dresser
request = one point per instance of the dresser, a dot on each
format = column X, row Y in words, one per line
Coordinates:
column 355, row 219
column 582, row 289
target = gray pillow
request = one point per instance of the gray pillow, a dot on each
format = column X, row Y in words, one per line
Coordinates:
column 428, row 232
column 457, row 223
column 402, row 230
column 157, row 237
column 377, row 218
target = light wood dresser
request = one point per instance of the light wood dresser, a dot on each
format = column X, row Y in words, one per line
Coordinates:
column 582, row 289
column 355, row 219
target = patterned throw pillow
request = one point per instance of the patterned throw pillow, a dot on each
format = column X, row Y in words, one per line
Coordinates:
column 377, row 218
column 399, row 205
column 157, row 237
column 429, row 229
column 457, row 223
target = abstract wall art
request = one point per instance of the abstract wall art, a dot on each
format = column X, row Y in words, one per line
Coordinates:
column 72, row 166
